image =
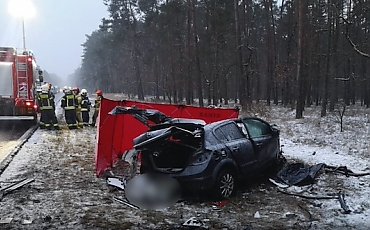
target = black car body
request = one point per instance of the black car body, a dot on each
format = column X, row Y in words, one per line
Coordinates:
column 212, row 156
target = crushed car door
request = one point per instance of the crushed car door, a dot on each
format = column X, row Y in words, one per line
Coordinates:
column 238, row 145
column 265, row 140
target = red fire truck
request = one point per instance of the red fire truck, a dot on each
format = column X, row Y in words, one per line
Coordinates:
column 19, row 79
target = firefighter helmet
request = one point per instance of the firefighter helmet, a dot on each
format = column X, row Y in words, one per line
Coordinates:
column 83, row 92
column 99, row 92
column 76, row 90
column 45, row 88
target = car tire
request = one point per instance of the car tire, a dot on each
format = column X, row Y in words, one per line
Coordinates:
column 225, row 185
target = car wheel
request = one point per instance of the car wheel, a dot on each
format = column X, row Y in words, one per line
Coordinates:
column 225, row 185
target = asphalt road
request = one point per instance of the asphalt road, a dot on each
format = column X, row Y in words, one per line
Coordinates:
column 10, row 132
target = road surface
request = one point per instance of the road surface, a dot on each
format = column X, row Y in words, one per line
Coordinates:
column 10, row 132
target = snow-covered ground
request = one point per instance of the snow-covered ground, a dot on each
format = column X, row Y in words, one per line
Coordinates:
column 67, row 195
column 319, row 140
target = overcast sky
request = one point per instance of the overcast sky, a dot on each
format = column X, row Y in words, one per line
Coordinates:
column 55, row 33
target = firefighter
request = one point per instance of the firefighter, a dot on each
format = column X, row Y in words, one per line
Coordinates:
column 99, row 95
column 68, row 103
column 47, row 108
column 85, row 107
column 51, row 94
column 76, row 92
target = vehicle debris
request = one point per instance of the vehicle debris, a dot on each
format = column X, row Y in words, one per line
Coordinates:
column 194, row 222
column 116, row 182
column 221, row 204
column 12, row 187
column 26, row 222
column 339, row 197
column 257, row 215
column 280, row 185
column 6, row 220
column 343, row 203
column 299, row 174
column 308, row 196
column 344, row 170
column 125, row 202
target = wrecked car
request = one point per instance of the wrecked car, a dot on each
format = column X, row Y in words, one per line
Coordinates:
column 120, row 121
column 211, row 157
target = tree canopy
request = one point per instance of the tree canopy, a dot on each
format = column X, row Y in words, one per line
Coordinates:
column 296, row 53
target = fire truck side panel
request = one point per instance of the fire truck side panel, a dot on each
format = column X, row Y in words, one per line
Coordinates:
column 6, row 79
column 16, row 89
column 6, row 88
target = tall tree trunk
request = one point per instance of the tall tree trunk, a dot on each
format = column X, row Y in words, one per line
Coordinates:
column 335, row 83
column 289, row 79
column 137, row 68
column 239, row 56
column 156, row 77
column 196, row 53
column 189, row 83
column 271, row 52
column 301, row 42
column 247, row 11
column 328, row 62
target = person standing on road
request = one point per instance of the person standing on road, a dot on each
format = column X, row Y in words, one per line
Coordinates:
column 68, row 103
column 47, row 108
column 52, row 95
column 85, row 107
column 76, row 92
column 99, row 95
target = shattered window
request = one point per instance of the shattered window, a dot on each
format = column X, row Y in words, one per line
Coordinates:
column 228, row 132
column 220, row 135
column 257, row 128
column 231, row 132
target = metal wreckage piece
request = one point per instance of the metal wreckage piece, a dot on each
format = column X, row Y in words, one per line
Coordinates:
column 116, row 182
column 14, row 186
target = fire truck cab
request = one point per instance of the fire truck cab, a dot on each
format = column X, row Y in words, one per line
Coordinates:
column 19, row 79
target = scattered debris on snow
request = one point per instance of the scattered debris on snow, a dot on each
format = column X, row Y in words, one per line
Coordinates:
column 14, row 186
column 257, row 215
column 194, row 222
column 116, row 182
column 125, row 202
column 6, row 220
column 26, row 222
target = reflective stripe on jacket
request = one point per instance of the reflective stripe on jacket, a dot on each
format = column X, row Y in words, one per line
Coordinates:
column 85, row 104
column 45, row 101
column 69, row 102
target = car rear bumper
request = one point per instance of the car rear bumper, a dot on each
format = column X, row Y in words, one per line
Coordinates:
column 196, row 183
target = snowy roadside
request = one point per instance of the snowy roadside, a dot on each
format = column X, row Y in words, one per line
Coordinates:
column 67, row 195
column 316, row 140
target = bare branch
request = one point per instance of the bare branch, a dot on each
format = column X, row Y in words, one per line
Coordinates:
column 354, row 46
column 342, row 79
